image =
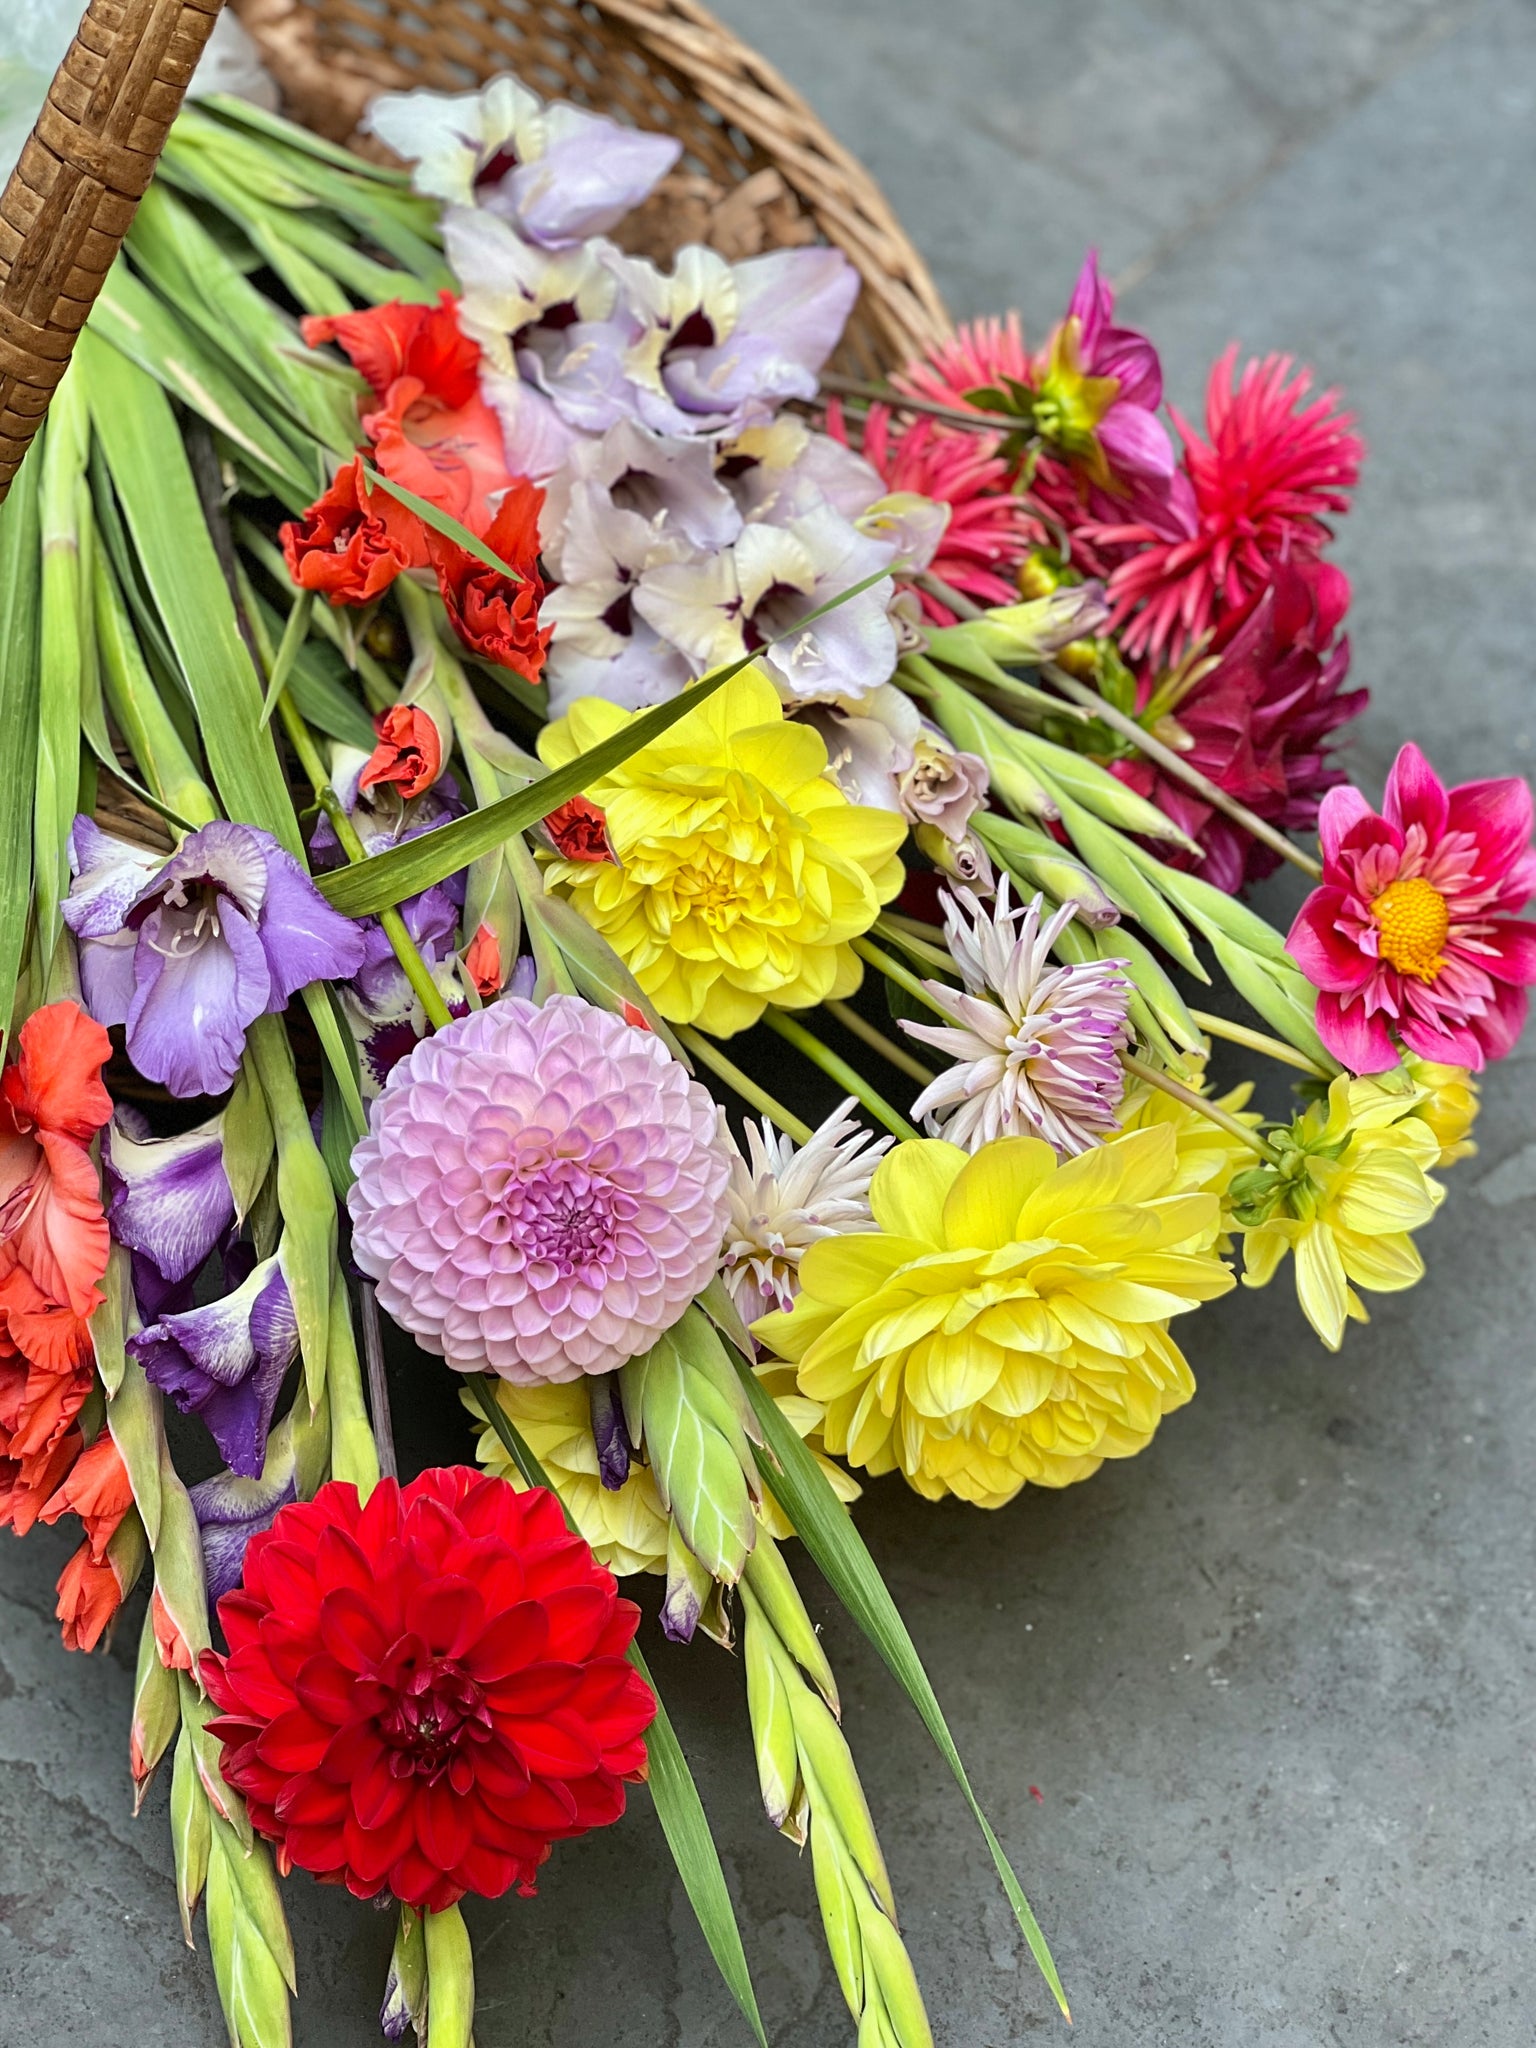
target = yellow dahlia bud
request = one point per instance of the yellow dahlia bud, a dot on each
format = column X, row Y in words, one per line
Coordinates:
column 1449, row 1105
column 1006, row 1322
column 1350, row 1185
column 742, row 870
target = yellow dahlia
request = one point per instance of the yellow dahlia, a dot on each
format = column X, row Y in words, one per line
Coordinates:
column 1350, row 1184
column 627, row 1526
column 1006, row 1321
column 742, row 870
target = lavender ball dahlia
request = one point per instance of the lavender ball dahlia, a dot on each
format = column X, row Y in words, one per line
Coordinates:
column 542, row 1191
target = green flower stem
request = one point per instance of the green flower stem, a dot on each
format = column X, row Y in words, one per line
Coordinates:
column 903, row 977
column 896, row 1055
column 975, row 419
column 1210, row 1110
column 709, row 1054
column 913, row 936
column 1175, row 765
column 415, row 968
column 1257, row 1041
column 847, row 1077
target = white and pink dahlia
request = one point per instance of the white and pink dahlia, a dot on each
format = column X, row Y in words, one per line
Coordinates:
column 1036, row 1045
column 541, row 1193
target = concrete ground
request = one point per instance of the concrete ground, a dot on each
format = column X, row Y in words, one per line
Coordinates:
column 1273, row 1680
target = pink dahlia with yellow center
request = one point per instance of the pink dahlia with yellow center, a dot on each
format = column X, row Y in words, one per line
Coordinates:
column 542, row 1191
column 1412, row 935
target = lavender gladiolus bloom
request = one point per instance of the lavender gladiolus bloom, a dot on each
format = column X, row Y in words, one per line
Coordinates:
column 230, row 1511
column 223, row 932
column 168, row 1199
column 226, row 1363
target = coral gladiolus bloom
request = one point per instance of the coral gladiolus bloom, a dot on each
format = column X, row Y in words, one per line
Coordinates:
column 52, row 1103
column 496, row 616
column 354, row 541
column 1413, row 934
column 409, row 753
column 422, row 1695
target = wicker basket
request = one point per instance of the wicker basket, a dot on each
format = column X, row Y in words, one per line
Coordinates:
column 759, row 169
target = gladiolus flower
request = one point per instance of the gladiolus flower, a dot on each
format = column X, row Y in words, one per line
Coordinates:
column 1006, row 1322
column 98, row 1490
column 990, row 528
column 1254, row 495
column 230, row 1511
column 743, row 870
column 497, row 616
column 541, row 1192
column 169, row 1201
column 1412, row 933
column 226, row 1361
column 353, row 541
column 579, row 831
column 431, row 429
column 91, row 1590
column 422, row 1695
column 222, row 932
column 409, row 753
column 52, row 1103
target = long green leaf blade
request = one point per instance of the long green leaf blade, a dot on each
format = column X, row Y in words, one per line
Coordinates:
column 149, row 466
column 821, row 1521
column 20, row 583
column 678, row 1805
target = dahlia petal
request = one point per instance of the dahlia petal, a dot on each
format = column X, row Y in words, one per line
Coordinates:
column 294, row 1742
column 1511, row 950
column 1415, row 795
column 1498, row 814
column 324, row 1689
column 350, row 1629
column 448, row 1614
column 1319, row 943
column 442, row 1827
column 1340, row 811
column 1356, row 1037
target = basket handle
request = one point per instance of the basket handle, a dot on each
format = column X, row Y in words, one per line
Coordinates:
column 71, row 198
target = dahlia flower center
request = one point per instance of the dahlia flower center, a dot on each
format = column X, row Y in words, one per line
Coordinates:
column 563, row 1216
column 1412, row 920
column 434, row 1708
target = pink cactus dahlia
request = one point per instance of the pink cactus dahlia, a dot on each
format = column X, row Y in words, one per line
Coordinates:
column 1252, row 496
column 542, row 1191
column 1412, row 931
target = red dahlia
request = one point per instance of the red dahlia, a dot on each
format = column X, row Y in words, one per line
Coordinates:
column 423, row 1694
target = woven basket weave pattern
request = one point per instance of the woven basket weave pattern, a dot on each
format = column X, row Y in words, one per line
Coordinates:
column 662, row 64
column 70, row 199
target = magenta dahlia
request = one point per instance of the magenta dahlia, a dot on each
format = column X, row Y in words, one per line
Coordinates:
column 1253, row 495
column 542, row 1191
column 1413, row 931
column 1258, row 721
column 423, row 1694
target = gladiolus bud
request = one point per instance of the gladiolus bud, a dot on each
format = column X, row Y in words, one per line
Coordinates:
column 156, row 1714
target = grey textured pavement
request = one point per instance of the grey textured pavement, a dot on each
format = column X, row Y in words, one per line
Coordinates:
column 1273, row 1680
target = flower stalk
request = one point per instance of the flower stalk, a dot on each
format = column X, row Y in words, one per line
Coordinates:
column 838, row 1069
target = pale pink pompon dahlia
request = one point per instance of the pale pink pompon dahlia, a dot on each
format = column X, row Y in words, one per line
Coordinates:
column 541, row 1193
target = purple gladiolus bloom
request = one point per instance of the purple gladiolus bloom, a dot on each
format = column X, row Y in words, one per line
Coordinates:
column 226, row 1363
column 224, row 931
column 168, row 1199
column 230, row 1511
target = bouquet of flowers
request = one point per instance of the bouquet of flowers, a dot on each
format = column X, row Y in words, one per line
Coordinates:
column 499, row 728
